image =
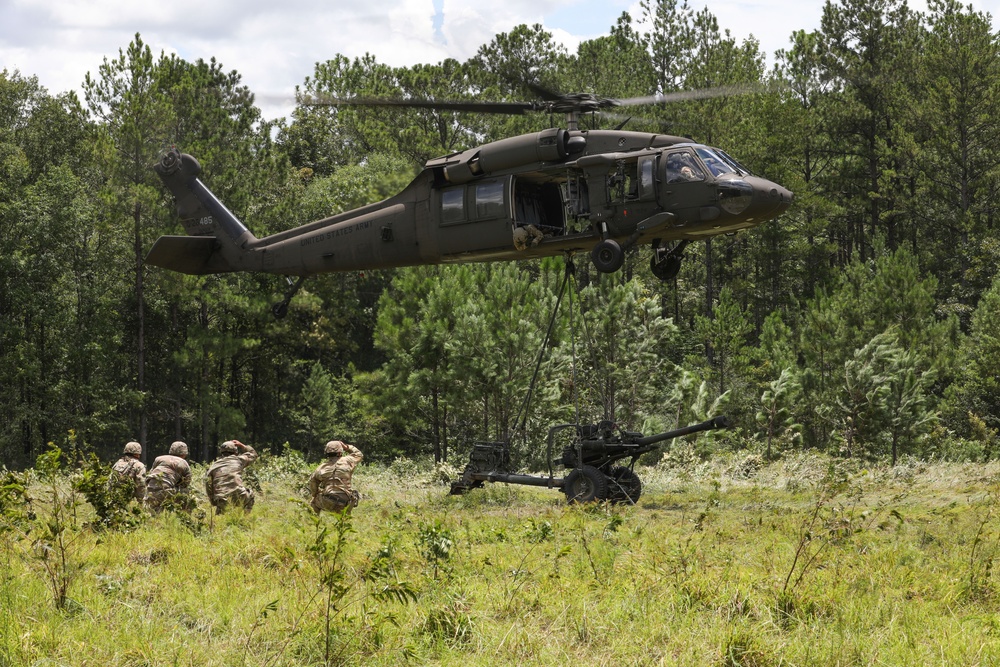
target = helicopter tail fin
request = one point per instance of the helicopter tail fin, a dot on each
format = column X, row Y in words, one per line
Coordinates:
column 217, row 241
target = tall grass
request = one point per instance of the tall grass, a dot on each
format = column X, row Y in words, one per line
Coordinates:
column 718, row 564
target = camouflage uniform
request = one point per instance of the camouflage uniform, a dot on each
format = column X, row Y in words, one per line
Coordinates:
column 131, row 470
column 169, row 476
column 224, row 483
column 330, row 484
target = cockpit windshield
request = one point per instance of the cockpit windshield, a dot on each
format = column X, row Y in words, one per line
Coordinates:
column 716, row 163
column 733, row 161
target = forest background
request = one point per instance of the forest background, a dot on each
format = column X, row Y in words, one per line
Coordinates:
column 865, row 322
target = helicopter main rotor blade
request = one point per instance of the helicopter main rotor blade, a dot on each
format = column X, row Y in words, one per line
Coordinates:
column 686, row 95
column 513, row 108
column 551, row 102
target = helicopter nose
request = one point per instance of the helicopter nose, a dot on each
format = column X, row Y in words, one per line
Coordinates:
column 771, row 199
column 782, row 196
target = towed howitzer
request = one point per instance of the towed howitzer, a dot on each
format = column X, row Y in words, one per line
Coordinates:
column 590, row 461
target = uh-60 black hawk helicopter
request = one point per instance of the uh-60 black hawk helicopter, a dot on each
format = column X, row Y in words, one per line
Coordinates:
column 560, row 191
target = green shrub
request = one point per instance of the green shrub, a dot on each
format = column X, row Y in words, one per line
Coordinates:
column 111, row 496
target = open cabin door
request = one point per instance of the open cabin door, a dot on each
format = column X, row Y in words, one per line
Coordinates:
column 540, row 204
column 487, row 215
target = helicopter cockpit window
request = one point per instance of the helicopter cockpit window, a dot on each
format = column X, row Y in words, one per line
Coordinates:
column 683, row 166
column 489, row 200
column 715, row 162
column 733, row 161
column 453, row 205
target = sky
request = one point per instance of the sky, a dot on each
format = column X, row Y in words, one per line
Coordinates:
column 275, row 44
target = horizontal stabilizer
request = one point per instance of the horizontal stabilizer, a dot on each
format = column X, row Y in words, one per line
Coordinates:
column 194, row 255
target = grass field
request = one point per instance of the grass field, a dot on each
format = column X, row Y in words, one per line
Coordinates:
column 800, row 562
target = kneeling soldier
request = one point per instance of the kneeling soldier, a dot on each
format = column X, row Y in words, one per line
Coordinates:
column 130, row 471
column 170, row 478
column 224, row 481
column 330, row 484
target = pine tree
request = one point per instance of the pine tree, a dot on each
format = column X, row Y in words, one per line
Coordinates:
column 317, row 413
column 977, row 388
column 906, row 403
column 775, row 415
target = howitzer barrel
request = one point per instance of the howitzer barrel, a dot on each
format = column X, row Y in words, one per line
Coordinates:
column 715, row 422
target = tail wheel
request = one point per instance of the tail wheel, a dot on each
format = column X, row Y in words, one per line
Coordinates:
column 667, row 268
column 280, row 309
column 585, row 484
column 666, row 262
column 624, row 485
column 608, row 256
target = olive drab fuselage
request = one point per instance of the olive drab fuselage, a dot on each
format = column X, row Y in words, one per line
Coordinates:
column 574, row 191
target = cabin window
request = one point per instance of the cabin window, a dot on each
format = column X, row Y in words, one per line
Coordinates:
column 623, row 183
column 647, row 169
column 489, row 200
column 453, row 205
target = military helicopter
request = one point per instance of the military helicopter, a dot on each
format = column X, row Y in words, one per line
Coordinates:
column 559, row 191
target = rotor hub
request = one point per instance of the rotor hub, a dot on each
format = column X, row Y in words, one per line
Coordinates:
column 579, row 103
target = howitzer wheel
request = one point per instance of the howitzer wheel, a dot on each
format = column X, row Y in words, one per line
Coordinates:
column 585, row 484
column 624, row 485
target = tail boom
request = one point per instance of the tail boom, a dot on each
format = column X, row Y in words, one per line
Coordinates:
column 205, row 250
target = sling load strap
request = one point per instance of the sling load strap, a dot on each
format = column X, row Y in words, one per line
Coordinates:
column 521, row 420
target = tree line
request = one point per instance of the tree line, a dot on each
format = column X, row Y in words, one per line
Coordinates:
column 863, row 322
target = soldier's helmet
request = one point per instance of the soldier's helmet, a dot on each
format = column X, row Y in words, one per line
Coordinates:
column 178, row 448
column 228, row 447
column 133, row 448
column 334, row 448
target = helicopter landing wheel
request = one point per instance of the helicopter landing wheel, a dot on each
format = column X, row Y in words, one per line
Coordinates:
column 608, row 256
column 586, row 484
column 624, row 485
